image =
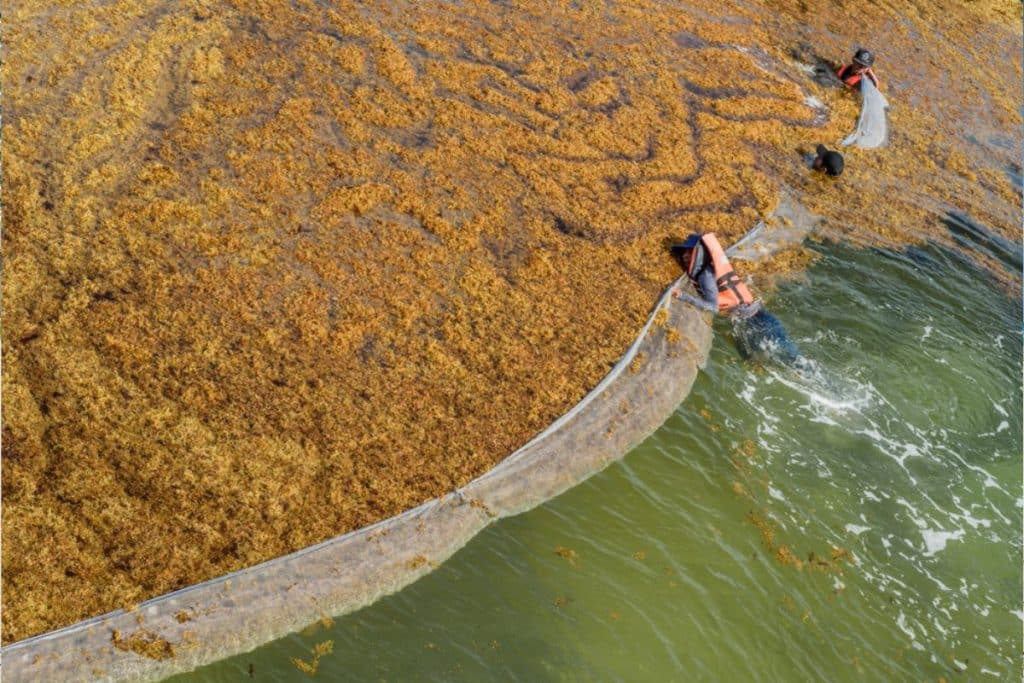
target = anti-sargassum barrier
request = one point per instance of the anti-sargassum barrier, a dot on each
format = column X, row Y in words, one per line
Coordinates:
column 872, row 129
column 235, row 613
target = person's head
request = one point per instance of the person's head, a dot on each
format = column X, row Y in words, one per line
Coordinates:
column 683, row 251
column 863, row 59
column 828, row 161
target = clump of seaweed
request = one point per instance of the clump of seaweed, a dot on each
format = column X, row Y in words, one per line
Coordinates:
column 568, row 554
column 784, row 555
column 319, row 651
column 143, row 642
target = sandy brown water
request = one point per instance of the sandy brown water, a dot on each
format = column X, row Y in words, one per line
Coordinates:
column 275, row 272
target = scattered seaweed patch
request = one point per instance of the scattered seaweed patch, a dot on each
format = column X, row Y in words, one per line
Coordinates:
column 637, row 364
column 784, row 554
column 418, row 562
column 143, row 642
column 319, row 651
column 567, row 554
column 481, row 505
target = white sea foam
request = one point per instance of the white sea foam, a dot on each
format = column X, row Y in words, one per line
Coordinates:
column 901, row 622
column 935, row 541
column 915, row 515
column 824, row 420
column 943, row 587
column 973, row 521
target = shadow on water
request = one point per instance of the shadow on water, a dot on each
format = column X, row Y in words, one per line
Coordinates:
column 944, row 274
column 976, row 237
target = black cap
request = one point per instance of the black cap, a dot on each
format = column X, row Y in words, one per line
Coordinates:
column 863, row 57
column 680, row 248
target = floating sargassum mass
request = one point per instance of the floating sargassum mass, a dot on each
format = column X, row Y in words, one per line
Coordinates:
column 275, row 271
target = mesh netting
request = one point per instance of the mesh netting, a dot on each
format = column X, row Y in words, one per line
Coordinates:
column 787, row 227
column 240, row 611
column 872, row 129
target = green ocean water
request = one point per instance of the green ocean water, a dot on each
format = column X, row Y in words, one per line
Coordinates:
column 900, row 445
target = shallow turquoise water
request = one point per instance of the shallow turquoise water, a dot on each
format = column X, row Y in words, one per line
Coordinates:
column 901, row 445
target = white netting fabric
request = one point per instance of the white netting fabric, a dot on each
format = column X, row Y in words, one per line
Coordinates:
column 872, row 128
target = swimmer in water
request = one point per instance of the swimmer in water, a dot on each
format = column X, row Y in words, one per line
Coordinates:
column 758, row 332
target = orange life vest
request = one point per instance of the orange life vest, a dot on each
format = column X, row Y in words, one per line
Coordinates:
column 852, row 79
column 731, row 290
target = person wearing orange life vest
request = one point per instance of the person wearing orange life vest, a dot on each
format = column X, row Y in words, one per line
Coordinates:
column 707, row 266
column 758, row 332
column 852, row 73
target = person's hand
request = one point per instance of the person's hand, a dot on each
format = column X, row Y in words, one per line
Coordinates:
column 700, row 304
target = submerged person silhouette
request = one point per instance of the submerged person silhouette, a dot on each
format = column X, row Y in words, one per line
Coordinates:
column 759, row 334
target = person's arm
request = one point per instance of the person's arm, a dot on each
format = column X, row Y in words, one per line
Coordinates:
column 699, row 304
column 708, row 290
